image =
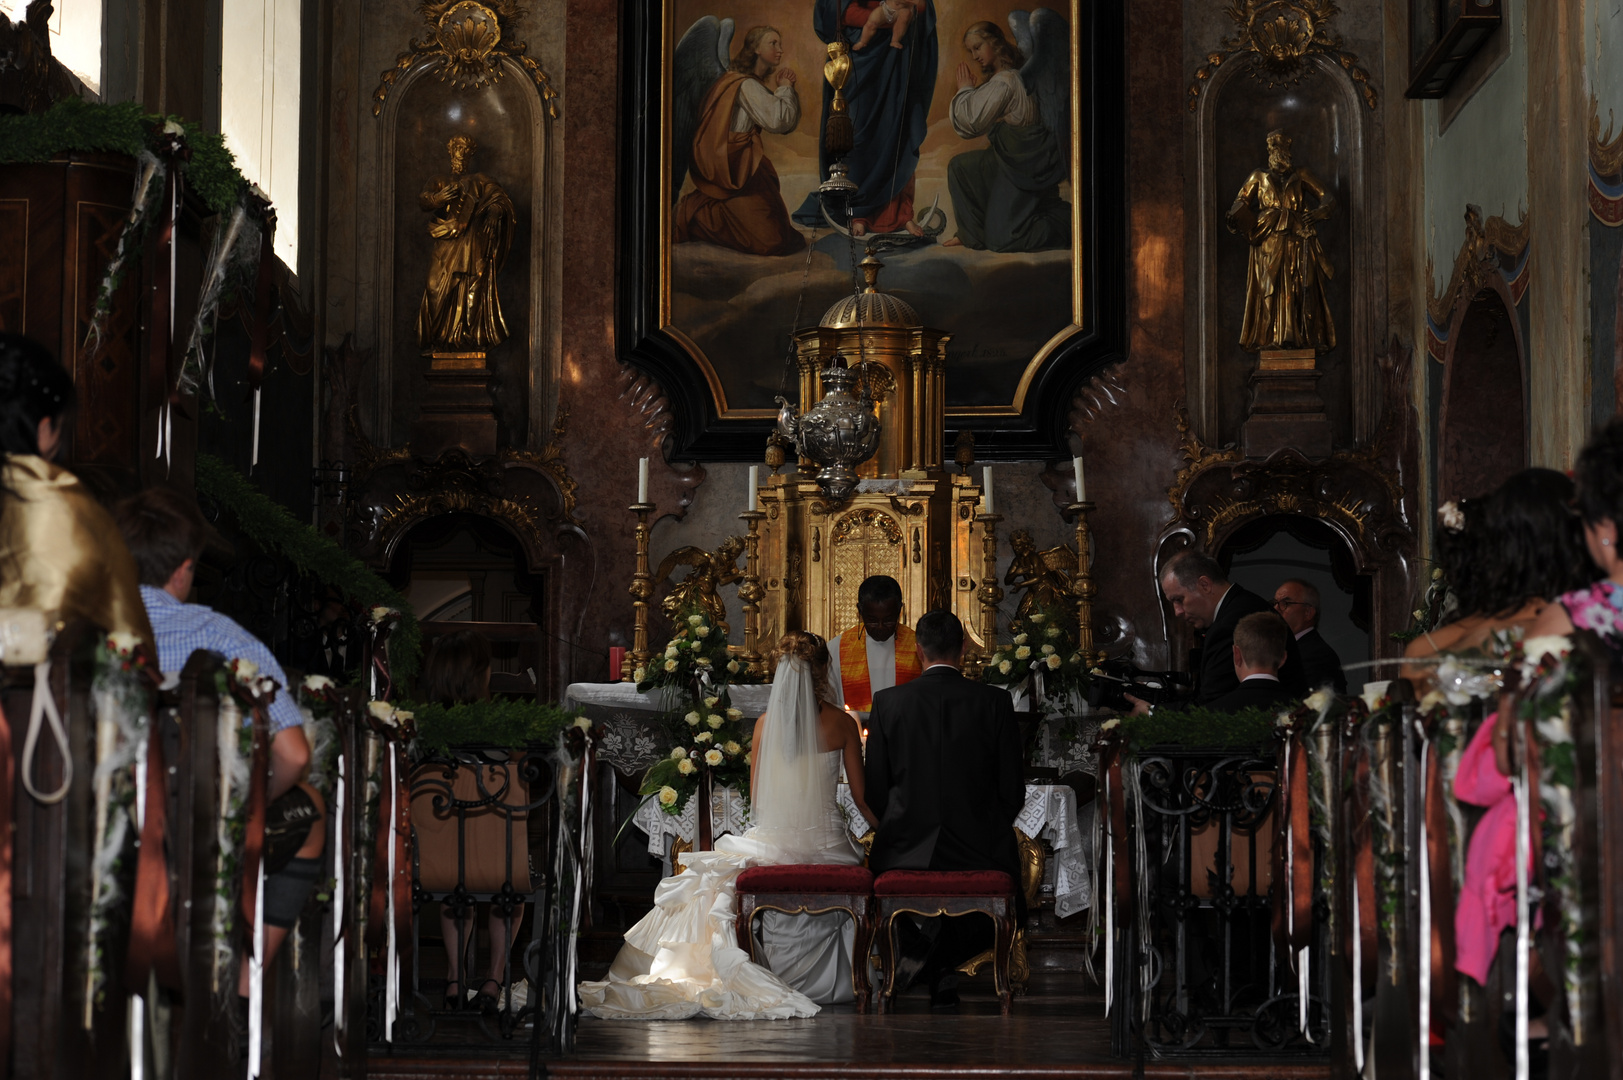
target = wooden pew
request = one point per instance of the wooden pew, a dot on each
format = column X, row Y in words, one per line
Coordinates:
column 44, row 1036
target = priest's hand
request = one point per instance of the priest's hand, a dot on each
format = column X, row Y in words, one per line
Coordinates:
column 1140, row 706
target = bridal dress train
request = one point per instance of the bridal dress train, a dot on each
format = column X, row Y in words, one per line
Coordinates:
column 682, row 959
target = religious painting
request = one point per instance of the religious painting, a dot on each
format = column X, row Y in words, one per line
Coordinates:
column 973, row 142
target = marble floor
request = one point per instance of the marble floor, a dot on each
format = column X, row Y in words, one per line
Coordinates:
column 1058, row 1029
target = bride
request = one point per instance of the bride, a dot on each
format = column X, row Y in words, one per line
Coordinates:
column 683, row 958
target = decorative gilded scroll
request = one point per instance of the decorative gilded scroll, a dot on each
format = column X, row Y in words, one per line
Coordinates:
column 468, row 40
column 1281, row 35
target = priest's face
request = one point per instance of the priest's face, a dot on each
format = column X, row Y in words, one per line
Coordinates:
column 880, row 617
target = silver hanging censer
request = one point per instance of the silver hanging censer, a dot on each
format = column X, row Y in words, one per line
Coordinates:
column 840, row 432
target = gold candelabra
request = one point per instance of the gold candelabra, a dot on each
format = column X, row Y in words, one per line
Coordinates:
column 990, row 593
column 641, row 590
column 750, row 592
column 1085, row 589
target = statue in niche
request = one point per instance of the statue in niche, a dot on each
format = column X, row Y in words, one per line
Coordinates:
column 472, row 225
column 1285, row 302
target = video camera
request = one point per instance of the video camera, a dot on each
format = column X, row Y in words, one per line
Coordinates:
column 1117, row 678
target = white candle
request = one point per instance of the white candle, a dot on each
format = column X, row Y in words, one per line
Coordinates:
column 1081, row 484
column 986, row 489
column 642, row 481
column 755, row 488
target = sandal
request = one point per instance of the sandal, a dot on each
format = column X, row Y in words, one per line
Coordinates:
column 453, row 998
column 485, row 1001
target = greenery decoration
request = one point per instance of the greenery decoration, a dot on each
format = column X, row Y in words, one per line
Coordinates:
column 506, row 724
column 74, row 124
column 1435, row 599
column 1200, row 726
column 269, row 525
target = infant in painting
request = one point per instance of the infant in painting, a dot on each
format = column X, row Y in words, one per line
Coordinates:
column 896, row 14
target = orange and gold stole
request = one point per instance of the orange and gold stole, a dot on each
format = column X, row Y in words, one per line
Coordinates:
column 854, row 665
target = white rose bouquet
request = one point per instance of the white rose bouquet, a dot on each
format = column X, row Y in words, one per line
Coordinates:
column 1044, row 644
column 711, row 741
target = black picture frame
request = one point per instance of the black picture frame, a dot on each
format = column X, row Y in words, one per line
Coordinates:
column 1443, row 37
column 1039, row 430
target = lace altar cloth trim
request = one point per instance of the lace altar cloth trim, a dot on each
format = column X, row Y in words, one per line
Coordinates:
column 634, row 729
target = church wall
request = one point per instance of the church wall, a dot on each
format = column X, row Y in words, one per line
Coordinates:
column 1603, row 58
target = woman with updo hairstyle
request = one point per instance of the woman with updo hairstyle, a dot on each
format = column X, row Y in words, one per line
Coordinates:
column 1597, row 606
column 682, row 959
column 1506, row 558
column 60, row 551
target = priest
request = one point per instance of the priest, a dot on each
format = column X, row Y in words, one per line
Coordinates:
column 876, row 654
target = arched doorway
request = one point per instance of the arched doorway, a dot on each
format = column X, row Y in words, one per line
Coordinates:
column 465, row 571
column 1483, row 428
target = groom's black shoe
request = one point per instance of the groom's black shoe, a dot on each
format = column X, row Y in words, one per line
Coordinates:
column 915, row 941
column 944, row 991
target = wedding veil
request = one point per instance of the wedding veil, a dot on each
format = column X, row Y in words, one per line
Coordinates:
column 793, row 803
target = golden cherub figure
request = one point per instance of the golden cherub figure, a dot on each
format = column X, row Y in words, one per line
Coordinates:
column 701, row 588
column 1046, row 576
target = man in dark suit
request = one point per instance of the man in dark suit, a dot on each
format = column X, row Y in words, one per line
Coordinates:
column 944, row 778
column 1202, row 595
column 1259, row 646
column 1297, row 602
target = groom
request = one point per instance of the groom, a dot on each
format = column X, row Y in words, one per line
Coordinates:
column 944, row 778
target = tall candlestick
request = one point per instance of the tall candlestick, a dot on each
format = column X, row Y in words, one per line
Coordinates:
column 642, row 481
column 986, row 490
column 1081, row 484
column 642, row 590
column 750, row 592
column 1084, row 587
column 755, row 488
column 990, row 594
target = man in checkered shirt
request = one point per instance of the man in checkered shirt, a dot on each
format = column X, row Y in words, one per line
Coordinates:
column 166, row 533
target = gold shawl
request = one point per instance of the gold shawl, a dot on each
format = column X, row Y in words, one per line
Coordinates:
column 61, row 553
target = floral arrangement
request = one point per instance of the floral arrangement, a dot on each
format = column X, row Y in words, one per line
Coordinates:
column 713, row 743
column 1436, row 601
column 1197, row 726
column 390, row 721
column 695, row 657
column 1044, row 650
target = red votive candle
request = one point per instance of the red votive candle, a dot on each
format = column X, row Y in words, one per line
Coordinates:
column 617, row 657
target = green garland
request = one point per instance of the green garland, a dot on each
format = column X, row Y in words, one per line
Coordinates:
column 1200, row 726
column 74, row 124
column 268, row 524
column 508, row 724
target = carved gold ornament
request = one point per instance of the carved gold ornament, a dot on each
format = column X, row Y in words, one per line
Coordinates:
column 1605, row 151
column 469, row 40
column 1281, row 35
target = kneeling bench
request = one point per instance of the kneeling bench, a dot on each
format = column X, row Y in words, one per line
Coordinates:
column 812, row 889
column 929, row 893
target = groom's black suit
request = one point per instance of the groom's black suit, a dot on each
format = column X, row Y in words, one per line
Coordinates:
column 944, row 775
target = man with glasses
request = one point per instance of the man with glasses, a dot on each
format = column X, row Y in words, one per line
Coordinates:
column 877, row 653
column 1297, row 602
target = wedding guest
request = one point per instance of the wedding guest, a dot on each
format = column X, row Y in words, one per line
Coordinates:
column 1297, row 602
column 1202, row 595
column 877, row 653
column 1260, row 640
column 1505, row 557
column 456, row 672
column 59, row 551
column 909, row 767
column 1597, row 607
column 166, row 533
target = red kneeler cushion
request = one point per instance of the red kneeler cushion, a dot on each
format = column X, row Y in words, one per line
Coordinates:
column 943, row 883
column 807, row 878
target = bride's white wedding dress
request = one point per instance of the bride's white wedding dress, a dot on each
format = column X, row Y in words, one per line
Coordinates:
column 682, row 959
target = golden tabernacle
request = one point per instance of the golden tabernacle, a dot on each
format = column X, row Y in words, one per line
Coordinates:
column 909, row 517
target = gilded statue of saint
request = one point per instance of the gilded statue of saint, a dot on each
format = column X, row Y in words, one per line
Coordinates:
column 472, row 226
column 1285, row 302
